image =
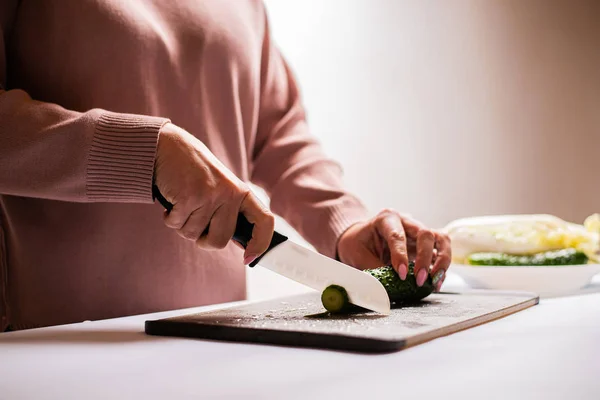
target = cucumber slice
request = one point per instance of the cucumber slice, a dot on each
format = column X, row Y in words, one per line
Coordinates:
column 334, row 298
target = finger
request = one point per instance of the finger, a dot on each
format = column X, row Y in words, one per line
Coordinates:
column 435, row 251
column 425, row 246
column 443, row 259
column 412, row 227
column 177, row 217
column 264, row 225
column 390, row 228
column 221, row 227
column 195, row 224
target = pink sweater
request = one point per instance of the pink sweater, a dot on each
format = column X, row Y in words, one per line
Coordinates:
column 85, row 86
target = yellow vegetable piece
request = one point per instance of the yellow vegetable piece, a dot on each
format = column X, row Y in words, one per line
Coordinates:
column 523, row 234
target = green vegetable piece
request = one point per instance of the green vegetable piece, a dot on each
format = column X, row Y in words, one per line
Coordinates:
column 402, row 291
column 335, row 298
column 548, row 258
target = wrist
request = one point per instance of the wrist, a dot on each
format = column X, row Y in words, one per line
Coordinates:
column 166, row 134
column 339, row 240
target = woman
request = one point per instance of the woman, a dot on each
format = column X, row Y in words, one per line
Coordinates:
column 100, row 99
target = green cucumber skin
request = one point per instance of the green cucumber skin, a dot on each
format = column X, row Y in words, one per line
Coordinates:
column 402, row 291
column 548, row 258
column 399, row 291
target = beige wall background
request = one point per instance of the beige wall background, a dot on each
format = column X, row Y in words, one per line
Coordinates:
column 447, row 109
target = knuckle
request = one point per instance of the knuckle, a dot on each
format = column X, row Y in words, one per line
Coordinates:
column 171, row 223
column 386, row 212
column 425, row 234
column 187, row 234
column 397, row 236
column 231, row 192
column 441, row 235
column 444, row 240
column 268, row 218
column 447, row 238
column 175, row 219
column 241, row 191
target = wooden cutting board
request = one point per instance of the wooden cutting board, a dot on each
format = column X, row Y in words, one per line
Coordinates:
column 300, row 321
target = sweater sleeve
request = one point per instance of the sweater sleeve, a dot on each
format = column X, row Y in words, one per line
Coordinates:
column 304, row 185
column 47, row 151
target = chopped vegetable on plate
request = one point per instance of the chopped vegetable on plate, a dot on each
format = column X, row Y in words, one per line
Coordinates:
column 524, row 240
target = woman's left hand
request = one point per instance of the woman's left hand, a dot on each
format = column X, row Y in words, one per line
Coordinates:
column 391, row 238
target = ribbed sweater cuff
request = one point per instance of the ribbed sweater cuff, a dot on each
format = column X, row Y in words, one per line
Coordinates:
column 121, row 158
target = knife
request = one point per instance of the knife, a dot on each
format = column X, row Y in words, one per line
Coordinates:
column 308, row 267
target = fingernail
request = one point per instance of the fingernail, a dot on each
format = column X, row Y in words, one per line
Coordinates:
column 439, row 275
column 421, row 277
column 403, row 271
column 249, row 259
column 439, row 285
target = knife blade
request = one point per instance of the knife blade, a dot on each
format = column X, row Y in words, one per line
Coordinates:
column 307, row 267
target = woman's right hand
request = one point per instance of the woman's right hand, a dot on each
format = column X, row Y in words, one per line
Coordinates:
column 204, row 193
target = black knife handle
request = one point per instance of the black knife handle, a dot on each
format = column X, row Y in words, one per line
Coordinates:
column 243, row 228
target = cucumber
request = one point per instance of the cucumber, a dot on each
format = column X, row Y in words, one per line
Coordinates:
column 402, row 291
column 555, row 257
column 335, row 298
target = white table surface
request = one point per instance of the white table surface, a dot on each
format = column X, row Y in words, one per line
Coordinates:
column 550, row 351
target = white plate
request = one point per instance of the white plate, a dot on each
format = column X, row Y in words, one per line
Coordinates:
column 545, row 281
